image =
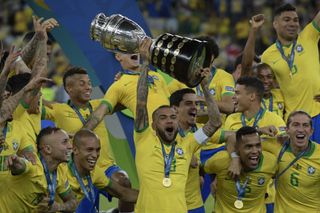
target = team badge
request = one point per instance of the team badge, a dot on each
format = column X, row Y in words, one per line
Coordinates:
column 280, row 106
column 212, row 91
column 299, row 48
column 311, row 170
column 179, row 151
column 261, row 181
column 15, row 145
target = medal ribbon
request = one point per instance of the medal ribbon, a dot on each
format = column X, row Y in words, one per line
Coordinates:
column 256, row 118
column 128, row 72
column 198, row 89
column 291, row 57
column 270, row 103
column 90, row 196
column 4, row 133
column 283, row 149
column 78, row 112
column 194, row 128
column 167, row 159
column 241, row 189
column 52, row 183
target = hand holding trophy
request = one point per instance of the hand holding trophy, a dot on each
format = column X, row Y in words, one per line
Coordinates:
column 180, row 57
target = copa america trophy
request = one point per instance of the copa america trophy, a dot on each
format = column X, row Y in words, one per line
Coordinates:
column 180, row 57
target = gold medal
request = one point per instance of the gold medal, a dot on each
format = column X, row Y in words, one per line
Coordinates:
column 238, row 204
column 166, row 182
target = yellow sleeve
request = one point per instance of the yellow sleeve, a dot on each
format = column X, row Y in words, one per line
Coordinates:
column 217, row 162
column 63, row 187
column 311, row 32
column 27, row 143
column 175, row 85
column 112, row 96
column 99, row 179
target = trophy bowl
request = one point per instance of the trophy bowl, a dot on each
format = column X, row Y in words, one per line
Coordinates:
column 180, row 57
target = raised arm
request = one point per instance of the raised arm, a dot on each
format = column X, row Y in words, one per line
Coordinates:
column 40, row 28
column 6, row 70
column 214, row 116
column 317, row 19
column 249, row 50
column 12, row 102
column 141, row 121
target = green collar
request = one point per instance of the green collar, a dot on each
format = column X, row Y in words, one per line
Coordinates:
column 309, row 152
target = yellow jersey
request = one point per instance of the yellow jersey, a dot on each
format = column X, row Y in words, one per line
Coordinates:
column 268, row 118
column 31, row 123
column 25, row 191
column 16, row 141
column 66, row 118
column 258, row 179
column 153, row 195
column 275, row 103
column 99, row 180
column 303, row 81
column 298, row 187
column 175, row 85
column 124, row 92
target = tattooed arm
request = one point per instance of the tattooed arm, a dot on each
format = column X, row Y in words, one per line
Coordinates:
column 97, row 116
column 6, row 70
column 141, row 121
column 12, row 102
column 28, row 52
column 214, row 116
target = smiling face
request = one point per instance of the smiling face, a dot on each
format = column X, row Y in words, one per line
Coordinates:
column 60, row 145
column 79, row 88
column 299, row 130
column 287, row 25
column 165, row 123
column 267, row 78
column 242, row 98
column 86, row 153
column 249, row 150
column 128, row 61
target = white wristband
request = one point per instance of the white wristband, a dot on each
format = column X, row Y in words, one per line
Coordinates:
column 234, row 155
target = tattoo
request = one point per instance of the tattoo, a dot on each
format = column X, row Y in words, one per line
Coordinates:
column 29, row 50
column 96, row 117
column 214, row 116
column 3, row 83
column 40, row 64
column 141, row 120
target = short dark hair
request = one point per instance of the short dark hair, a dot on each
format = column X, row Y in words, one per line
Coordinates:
column 177, row 96
column 262, row 66
column 284, row 8
column 253, row 84
column 156, row 111
column 214, row 48
column 44, row 132
column 298, row 112
column 83, row 133
column 29, row 35
column 239, row 60
column 17, row 82
column 245, row 130
column 73, row 71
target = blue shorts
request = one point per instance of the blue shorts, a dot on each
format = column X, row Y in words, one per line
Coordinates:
column 85, row 205
column 316, row 129
column 197, row 210
column 269, row 207
column 204, row 156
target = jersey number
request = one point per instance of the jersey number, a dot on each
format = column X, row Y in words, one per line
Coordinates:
column 294, row 179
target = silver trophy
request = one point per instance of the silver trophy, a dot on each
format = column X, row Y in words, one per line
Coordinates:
column 180, row 57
